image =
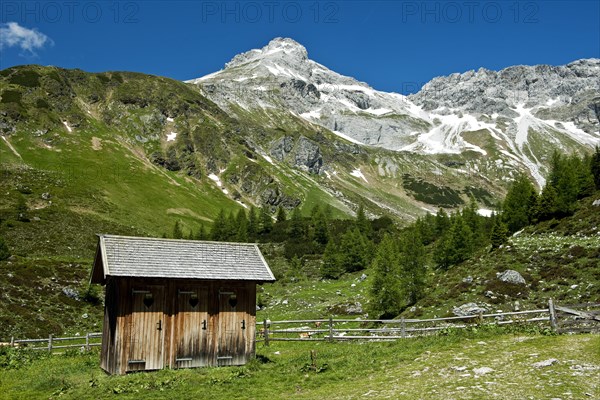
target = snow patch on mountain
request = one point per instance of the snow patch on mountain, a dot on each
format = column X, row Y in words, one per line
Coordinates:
column 358, row 174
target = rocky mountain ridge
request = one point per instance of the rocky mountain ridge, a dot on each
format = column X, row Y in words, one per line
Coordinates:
column 507, row 119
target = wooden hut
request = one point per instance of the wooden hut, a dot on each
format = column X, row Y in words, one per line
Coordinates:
column 177, row 303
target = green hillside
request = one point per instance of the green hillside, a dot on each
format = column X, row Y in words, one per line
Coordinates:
column 84, row 153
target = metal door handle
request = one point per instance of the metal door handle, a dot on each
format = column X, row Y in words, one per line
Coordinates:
column 204, row 325
column 243, row 324
column 159, row 325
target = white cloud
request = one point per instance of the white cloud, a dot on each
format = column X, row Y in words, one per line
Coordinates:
column 28, row 40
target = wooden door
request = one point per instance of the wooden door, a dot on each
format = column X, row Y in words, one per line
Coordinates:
column 231, row 341
column 191, row 328
column 146, row 332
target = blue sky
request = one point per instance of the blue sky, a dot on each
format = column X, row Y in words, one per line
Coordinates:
column 391, row 45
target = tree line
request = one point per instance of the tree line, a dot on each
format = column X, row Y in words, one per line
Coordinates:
column 398, row 258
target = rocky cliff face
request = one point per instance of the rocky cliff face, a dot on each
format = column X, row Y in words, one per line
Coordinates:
column 510, row 119
column 571, row 93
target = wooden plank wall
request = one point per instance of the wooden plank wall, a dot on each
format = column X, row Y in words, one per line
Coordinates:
column 217, row 330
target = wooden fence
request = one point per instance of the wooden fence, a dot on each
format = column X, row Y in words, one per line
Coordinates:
column 576, row 318
column 571, row 318
column 562, row 319
column 52, row 343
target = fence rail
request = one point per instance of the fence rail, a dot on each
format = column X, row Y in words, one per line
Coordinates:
column 570, row 318
column 51, row 343
column 562, row 319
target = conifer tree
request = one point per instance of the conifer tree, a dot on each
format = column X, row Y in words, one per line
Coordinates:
column 427, row 228
column 516, row 208
column 547, row 204
column 585, row 178
column 201, row 233
column 442, row 222
column 475, row 223
column 362, row 222
column 387, row 297
column 253, row 226
column 266, row 222
column 320, row 228
column 242, row 227
column 595, row 167
column 4, row 252
column 412, row 265
column 456, row 245
column 331, row 268
column 177, row 231
column 563, row 178
column 281, row 215
column 355, row 251
column 231, row 228
column 499, row 234
column 297, row 228
column 461, row 241
column 219, row 227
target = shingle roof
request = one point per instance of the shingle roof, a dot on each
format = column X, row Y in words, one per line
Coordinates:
column 173, row 258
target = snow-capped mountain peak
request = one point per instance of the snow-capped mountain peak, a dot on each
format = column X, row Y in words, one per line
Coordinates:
column 277, row 49
column 510, row 119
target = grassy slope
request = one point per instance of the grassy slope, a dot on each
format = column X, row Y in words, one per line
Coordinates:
column 424, row 368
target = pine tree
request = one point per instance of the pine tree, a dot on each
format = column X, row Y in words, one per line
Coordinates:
column 201, row 233
column 362, row 222
column 517, row 204
column 253, row 227
column 387, row 297
column 563, row 178
column 595, row 167
column 242, row 227
column 177, row 231
column 442, row 222
column 475, row 223
column 499, row 234
column 297, row 228
column 4, row 252
column 441, row 251
column 331, row 267
column 266, row 222
column 412, row 264
column 281, row 215
column 585, row 178
column 219, row 228
column 461, row 241
column 231, row 228
column 427, row 228
column 456, row 245
column 547, row 204
column 355, row 251
column 320, row 228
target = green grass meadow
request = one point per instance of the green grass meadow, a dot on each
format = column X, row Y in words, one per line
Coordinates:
column 452, row 366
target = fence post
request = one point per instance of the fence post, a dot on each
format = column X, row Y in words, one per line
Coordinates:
column 87, row 341
column 331, row 328
column 402, row 328
column 50, row 343
column 12, row 341
column 266, row 332
column 552, row 311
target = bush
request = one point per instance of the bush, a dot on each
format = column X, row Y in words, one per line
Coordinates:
column 4, row 252
column 92, row 295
